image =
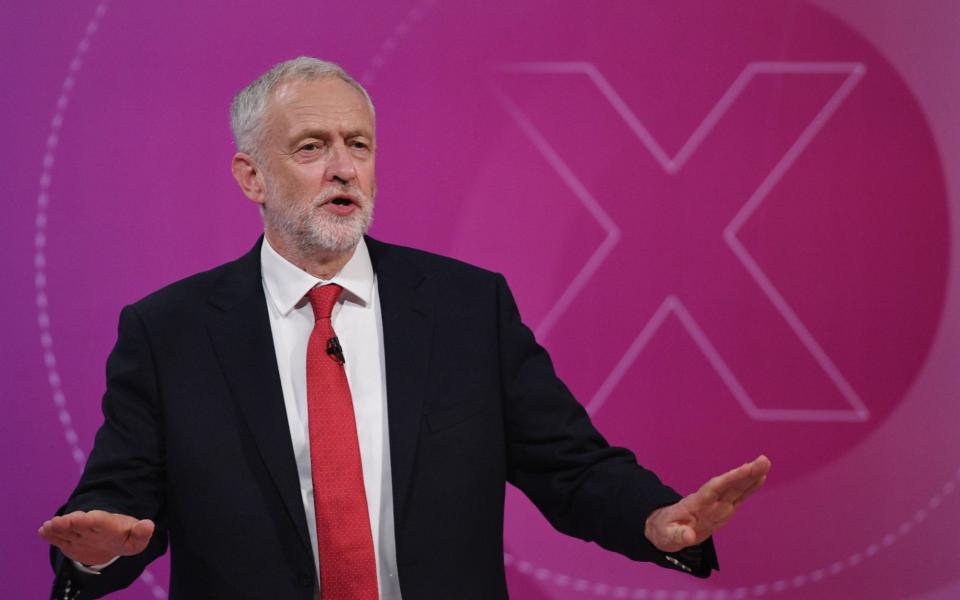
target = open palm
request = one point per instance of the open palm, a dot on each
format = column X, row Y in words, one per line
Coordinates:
column 697, row 516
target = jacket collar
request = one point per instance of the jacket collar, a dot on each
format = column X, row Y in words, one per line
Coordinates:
column 286, row 284
column 243, row 341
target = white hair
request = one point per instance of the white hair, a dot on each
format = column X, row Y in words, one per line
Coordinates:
column 250, row 105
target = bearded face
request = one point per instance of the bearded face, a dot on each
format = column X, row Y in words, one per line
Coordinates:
column 317, row 167
column 332, row 222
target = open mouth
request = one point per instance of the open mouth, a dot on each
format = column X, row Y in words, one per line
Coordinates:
column 341, row 205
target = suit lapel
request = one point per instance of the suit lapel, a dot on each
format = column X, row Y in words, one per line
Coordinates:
column 407, row 340
column 240, row 329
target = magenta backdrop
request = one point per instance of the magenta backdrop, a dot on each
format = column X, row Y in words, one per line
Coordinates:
column 732, row 224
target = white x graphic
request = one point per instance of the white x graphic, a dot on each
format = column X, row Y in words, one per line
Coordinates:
column 672, row 304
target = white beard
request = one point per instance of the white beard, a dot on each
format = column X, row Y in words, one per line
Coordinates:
column 310, row 228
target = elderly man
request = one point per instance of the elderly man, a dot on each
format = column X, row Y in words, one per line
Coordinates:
column 334, row 416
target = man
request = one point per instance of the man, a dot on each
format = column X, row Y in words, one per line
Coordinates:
column 293, row 440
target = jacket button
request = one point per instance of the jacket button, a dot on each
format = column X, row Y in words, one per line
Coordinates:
column 305, row 580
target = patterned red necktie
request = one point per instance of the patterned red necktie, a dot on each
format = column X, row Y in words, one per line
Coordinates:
column 347, row 564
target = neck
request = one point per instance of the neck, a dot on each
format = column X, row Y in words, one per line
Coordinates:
column 321, row 263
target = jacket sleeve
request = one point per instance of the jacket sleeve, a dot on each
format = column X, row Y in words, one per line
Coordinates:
column 125, row 470
column 581, row 484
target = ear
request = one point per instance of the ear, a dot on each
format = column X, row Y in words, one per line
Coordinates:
column 249, row 177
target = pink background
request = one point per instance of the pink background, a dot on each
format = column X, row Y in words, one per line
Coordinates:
column 732, row 224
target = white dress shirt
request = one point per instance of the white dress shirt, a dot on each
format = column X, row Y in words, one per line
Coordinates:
column 359, row 327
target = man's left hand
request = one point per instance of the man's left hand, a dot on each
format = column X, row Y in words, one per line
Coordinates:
column 693, row 519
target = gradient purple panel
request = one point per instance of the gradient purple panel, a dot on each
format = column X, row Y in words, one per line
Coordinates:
column 732, row 224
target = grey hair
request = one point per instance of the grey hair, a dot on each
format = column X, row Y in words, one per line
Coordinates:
column 249, row 106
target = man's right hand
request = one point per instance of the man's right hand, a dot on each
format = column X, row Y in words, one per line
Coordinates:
column 96, row 537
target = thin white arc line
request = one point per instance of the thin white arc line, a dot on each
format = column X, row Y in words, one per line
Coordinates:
column 672, row 305
column 815, row 575
column 620, row 369
column 579, row 190
column 608, row 91
column 855, row 71
column 388, row 45
column 859, row 410
column 672, row 165
column 40, row 261
column 803, row 140
column 713, row 356
column 805, row 68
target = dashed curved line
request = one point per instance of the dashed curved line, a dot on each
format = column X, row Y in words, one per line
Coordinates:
column 40, row 279
column 43, row 202
column 400, row 31
column 814, row 576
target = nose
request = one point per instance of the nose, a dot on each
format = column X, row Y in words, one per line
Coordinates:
column 340, row 167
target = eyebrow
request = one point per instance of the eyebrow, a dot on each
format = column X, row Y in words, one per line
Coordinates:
column 321, row 133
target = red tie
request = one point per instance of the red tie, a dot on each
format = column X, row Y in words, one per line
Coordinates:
column 347, row 565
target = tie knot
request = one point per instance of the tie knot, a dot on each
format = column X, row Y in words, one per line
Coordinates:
column 322, row 298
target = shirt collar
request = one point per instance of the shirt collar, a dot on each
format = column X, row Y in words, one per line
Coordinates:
column 287, row 284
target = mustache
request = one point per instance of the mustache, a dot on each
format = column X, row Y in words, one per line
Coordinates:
column 350, row 191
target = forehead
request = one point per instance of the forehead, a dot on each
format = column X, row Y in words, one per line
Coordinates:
column 329, row 105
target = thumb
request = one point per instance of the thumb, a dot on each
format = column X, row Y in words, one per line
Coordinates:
column 683, row 536
column 140, row 534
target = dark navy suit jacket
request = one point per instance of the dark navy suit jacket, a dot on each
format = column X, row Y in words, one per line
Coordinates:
column 195, row 437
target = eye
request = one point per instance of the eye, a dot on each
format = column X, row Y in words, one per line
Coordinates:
column 309, row 147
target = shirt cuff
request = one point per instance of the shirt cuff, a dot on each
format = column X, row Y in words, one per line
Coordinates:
column 94, row 569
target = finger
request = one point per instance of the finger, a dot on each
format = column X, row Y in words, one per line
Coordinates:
column 111, row 525
column 64, row 545
column 750, row 491
column 735, row 493
column 761, row 465
column 726, row 488
column 721, row 484
column 80, row 522
column 745, row 479
column 719, row 489
column 46, row 532
column 63, row 526
column 701, row 501
column 715, row 517
column 94, row 521
column 758, row 474
column 56, row 540
column 46, row 527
